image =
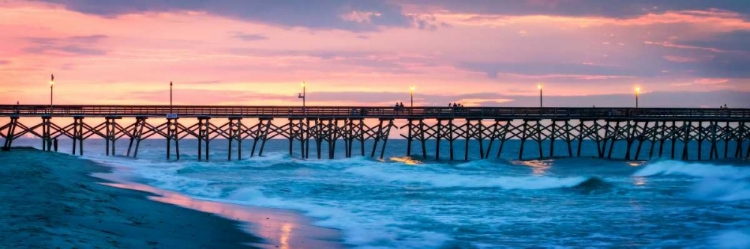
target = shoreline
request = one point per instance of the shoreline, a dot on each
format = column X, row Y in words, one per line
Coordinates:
column 58, row 200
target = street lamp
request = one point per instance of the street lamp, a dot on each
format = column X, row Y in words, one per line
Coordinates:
column 541, row 97
column 637, row 92
column 51, row 88
column 303, row 96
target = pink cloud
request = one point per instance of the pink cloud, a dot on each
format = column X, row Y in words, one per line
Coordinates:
column 707, row 81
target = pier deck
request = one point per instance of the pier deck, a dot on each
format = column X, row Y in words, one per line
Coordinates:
column 713, row 128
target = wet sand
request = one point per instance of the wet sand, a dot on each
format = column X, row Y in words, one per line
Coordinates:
column 52, row 200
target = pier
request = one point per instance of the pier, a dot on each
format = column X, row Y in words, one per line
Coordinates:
column 490, row 127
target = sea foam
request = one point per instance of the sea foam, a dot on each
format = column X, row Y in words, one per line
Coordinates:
column 360, row 231
column 716, row 182
column 466, row 181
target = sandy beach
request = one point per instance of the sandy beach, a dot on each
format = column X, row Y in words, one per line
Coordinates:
column 51, row 200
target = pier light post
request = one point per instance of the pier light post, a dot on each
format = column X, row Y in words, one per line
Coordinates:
column 303, row 96
column 637, row 92
column 541, row 96
column 51, row 90
column 170, row 97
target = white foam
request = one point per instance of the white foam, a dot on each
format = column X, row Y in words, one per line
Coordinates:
column 359, row 230
column 717, row 183
column 163, row 175
column 467, row 181
column 694, row 170
column 715, row 189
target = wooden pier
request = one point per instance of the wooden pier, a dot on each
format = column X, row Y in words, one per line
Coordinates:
column 490, row 126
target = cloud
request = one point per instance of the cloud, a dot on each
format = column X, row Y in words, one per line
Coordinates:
column 560, row 69
column 736, row 41
column 4, row 62
column 200, row 96
column 724, row 66
column 681, row 59
column 735, row 99
column 355, row 61
column 249, row 37
column 710, row 81
column 353, row 15
column 73, row 45
column 616, row 9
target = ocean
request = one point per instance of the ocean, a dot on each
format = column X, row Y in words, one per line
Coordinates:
column 411, row 202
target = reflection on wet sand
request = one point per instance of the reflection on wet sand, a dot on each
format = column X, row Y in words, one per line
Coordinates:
column 282, row 229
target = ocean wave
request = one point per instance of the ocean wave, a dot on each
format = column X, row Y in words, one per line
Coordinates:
column 467, row 181
column 593, row 185
column 715, row 189
column 694, row 170
column 717, row 183
column 360, row 231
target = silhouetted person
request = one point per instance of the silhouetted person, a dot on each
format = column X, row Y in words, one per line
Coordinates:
column 725, row 106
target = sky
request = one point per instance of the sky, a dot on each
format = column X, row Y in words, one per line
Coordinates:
column 689, row 53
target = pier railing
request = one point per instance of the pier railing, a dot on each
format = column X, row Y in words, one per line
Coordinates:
column 371, row 112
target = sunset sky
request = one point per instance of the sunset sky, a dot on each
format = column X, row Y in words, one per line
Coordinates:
column 688, row 53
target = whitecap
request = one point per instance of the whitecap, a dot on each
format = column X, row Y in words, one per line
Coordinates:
column 694, row 170
column 467, row 181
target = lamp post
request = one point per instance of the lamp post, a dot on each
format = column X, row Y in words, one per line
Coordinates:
column 170, row 97
column 637, row 92
column 541, row 97
column 51, row 89
column 303, row 96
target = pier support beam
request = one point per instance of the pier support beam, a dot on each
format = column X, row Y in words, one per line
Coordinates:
column 10, row 135
column 265, row 124
column 641, row 134
column 77, row 134
column 740, row 139
column 173, row 135
column 502, row 135
column 235, row 134
column 687, row 128
column 46, row 133
column 533, row 131
column 381, row 132
column 473, row 129
column 203, row 132
column 136, row 135
column 357, row 132
column 296, row 131
column 111, row 134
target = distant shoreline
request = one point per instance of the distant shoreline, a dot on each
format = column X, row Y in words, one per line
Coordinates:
column 57, row 200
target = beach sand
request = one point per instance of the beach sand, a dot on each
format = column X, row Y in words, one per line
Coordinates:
column 51, row 200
